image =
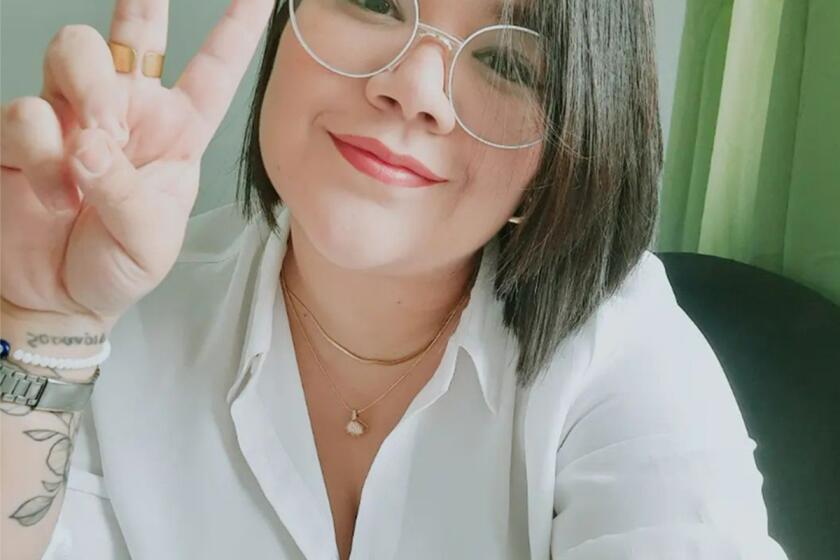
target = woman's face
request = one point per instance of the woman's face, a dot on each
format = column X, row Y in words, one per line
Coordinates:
column 353, row 219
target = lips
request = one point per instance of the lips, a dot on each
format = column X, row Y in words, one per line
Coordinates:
column 385, row 157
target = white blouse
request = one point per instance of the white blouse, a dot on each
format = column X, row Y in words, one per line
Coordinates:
column 197, row 442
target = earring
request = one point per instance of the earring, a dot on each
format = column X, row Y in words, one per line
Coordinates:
column 519, row 219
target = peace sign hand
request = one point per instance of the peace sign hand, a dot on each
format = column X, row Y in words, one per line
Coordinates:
column 96, row 249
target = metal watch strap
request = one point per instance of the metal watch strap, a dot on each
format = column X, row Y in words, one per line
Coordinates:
column 43, row 393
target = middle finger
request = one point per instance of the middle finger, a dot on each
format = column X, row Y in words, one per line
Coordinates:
column 142, row 26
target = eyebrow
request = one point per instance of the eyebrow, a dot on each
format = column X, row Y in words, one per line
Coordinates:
column 522, row 13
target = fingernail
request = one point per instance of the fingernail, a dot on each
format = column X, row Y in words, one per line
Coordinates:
column 95, row 156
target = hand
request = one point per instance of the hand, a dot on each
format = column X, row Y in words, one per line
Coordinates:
column 77, row 242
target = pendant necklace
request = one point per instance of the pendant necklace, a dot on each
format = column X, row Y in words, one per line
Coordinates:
column 356, row 427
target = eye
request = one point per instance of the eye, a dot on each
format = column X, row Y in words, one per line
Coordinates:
column 511, row 67
column 382, row 7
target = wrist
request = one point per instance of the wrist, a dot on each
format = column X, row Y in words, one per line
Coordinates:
column 14, row 316
column 53, row 335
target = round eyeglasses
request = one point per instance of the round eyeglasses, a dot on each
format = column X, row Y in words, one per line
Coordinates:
column 496, row 74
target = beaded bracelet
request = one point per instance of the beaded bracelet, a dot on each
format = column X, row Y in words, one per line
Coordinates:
column 57, row 363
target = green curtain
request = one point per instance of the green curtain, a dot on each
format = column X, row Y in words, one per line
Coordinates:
column 752, row 166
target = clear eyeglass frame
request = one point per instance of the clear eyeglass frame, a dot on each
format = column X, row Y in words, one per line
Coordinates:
column 425, row 30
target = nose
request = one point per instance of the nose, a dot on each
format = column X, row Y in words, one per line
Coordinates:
column 416, row 87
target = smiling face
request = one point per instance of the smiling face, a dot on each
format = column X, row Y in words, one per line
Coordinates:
column 354, row 219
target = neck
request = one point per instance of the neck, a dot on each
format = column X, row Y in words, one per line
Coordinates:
column 373, row 313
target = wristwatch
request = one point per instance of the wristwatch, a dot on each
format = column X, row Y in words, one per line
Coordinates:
column 43, row 393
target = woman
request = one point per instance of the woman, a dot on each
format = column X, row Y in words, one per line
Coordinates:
column 429, row 328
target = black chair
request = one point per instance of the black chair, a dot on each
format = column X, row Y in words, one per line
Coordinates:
column 779, row 344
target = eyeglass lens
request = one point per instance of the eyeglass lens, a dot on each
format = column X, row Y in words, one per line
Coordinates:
column 496, row 79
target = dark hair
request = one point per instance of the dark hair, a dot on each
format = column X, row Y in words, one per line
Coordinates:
column 590, row 210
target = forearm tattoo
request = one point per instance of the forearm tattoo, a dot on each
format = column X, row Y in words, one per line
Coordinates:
column 58, row 449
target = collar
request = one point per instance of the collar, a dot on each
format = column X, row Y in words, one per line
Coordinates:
column 480, row 331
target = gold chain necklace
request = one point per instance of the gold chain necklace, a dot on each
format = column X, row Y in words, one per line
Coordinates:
column 352, row 354
column 356, row 427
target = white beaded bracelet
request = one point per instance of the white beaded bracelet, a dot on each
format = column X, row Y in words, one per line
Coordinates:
column 63, row 363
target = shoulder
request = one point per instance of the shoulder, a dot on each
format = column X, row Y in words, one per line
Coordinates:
column 643, row 327
column 650, row 371
column 213, row 235
column 653, row 425
column 643, row 317
column 639, row 362
column 625, row 327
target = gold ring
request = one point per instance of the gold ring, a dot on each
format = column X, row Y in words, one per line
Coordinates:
column 125, row 58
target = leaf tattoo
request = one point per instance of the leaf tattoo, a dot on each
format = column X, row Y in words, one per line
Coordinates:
column 33, row 510
column 60, row 451
column 41, row 435
column 58, row 459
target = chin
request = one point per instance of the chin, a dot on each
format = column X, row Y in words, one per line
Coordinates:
column 359, row 238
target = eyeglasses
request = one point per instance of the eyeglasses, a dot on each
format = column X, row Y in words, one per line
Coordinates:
column 496, row 74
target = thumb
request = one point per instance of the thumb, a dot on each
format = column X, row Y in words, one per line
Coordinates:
column 111, row 184
column 100, row 168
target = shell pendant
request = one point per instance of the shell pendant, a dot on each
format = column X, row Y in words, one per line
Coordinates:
column 355, row 427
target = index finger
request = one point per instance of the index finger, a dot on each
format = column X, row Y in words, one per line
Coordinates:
column 212, row 76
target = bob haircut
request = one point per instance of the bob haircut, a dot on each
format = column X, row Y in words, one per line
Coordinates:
column 590, row 209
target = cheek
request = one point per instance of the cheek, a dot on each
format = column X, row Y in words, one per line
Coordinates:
column 497, row 178
column 288, row 111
